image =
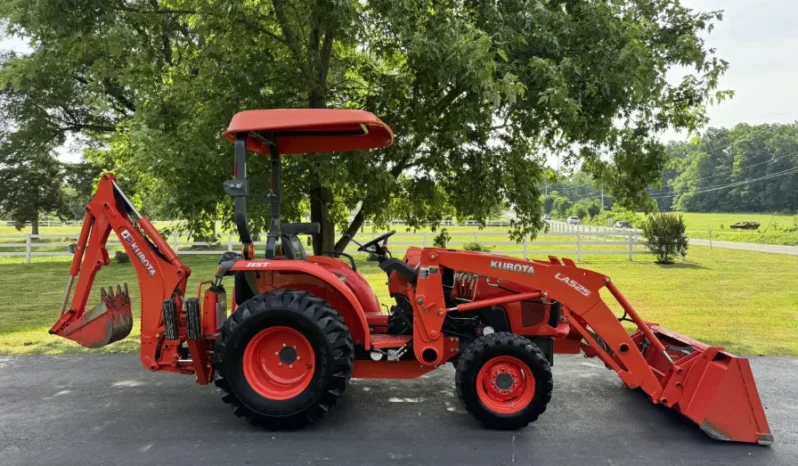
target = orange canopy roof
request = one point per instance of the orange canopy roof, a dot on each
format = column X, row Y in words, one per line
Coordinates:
column 302, row 131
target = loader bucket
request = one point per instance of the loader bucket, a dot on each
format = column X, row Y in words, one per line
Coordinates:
column 711, row 387
column 109, row 321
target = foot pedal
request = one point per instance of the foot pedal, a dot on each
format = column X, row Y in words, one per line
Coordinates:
column 169, row 319
column 193, row 319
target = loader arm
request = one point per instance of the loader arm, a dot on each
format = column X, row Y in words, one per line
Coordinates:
column 713, row 388
column 160, row 273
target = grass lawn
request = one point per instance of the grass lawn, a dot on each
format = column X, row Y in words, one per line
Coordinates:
column 773, row 229
column 746, row 302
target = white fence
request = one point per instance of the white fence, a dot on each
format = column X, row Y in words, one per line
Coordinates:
column 571, row 243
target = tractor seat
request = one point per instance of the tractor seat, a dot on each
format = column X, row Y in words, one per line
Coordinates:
column 292, row 246
column 400, row 267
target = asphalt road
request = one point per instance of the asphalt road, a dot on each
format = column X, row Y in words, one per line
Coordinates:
column 771, row 248
column 106, row 409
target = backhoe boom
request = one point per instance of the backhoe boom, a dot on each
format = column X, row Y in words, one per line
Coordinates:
column 160, row 273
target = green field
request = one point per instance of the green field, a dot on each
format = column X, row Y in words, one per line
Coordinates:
column 744, row 301
column 773, row 229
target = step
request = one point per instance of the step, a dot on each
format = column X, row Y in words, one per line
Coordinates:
column 383, row 340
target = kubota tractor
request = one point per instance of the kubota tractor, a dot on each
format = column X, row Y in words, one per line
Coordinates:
column 301, row 326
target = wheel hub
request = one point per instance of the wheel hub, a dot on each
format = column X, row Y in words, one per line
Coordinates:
column 504, row 381
column 279, row 363
column 505, row 384
column 288, row 355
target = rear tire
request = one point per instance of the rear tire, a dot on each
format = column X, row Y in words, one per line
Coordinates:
column 262, row 338
column 504, row 380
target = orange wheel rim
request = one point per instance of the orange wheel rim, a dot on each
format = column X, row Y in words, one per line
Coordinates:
column 505, row 385
column 279, row 363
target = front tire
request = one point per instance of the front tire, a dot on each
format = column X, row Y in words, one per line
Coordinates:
column 504, row 380
column 283, row 359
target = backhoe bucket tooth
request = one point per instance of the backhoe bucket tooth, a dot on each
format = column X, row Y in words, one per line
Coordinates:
column 105, row 323
column 711, row 387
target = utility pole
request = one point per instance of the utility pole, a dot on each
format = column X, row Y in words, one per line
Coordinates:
column 602, row 197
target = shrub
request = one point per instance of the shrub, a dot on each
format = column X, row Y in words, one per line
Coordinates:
column 666, row 236
column 442, row 239
column 121, row 257
column 478, row 247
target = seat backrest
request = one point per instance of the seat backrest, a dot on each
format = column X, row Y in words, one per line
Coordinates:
column 292, row 247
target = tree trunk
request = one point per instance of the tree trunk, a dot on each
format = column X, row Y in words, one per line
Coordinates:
column 320, row 199
column 34, row 225
column 351, row 231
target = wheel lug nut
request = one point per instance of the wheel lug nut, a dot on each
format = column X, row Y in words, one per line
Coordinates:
column 283, row 345
column 290, row 366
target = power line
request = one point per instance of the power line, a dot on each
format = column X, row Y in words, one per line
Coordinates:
column 596, row 193
column 788, row 171
column 715, row 149
column 740, row 169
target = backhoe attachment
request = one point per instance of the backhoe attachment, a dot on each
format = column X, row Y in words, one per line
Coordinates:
column 105, row 323
column 160, row 274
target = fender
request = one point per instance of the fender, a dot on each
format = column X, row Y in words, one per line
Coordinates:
column 318, row 272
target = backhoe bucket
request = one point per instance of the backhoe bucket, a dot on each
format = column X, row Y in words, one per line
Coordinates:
column 711, row 387
column 105, row 323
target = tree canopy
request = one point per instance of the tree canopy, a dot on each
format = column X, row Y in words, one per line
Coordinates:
column 742, row 169
column 478, row 93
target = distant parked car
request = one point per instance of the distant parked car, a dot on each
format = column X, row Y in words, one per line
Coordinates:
column 623, row 224
column 546, row 218
column 573, row 220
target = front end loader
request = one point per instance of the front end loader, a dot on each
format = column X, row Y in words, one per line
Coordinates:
column 298, row 327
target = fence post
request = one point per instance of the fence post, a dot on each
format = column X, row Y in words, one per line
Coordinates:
column 229, row 242
column 425, row 239
column 631, row 244
column 710, row 239
column 174, row 242
column 476, row 238
column 525, row 254
column 578, row 246
column 28, row 249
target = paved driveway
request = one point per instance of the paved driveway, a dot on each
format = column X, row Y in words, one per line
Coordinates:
column 105, row 409
column 771, row 248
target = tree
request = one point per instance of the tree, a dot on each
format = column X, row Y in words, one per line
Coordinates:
column 561, row 206
column 743, row 169
column 476, row 91
column 30, row 187
column 548, row 201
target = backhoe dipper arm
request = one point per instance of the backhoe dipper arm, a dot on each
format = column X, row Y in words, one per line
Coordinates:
column 160, row 273
column 713, row 388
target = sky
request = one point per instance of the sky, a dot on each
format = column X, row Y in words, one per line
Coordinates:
column 759, row 39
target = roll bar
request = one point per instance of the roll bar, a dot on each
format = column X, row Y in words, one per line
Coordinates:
column 239, row 189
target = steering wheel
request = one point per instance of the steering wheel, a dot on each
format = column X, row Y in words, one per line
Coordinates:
column 375, row 241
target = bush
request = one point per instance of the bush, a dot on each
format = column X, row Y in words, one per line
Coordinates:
column 666, row 237
column 441, row 239
column 121, row 257
column 477, row 247
column 585, row 209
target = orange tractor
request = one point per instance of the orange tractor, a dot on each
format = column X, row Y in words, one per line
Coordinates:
column 299, row 327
